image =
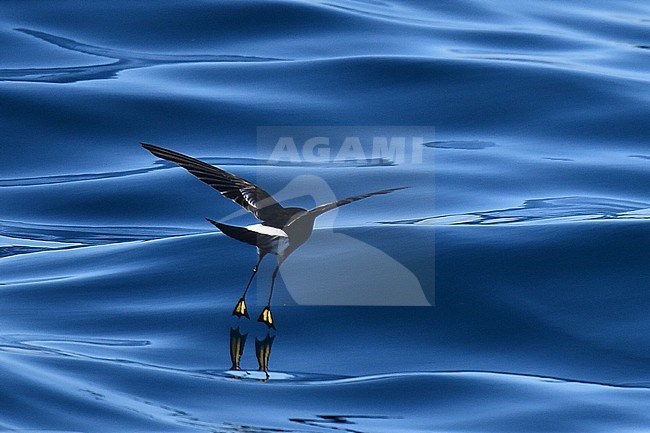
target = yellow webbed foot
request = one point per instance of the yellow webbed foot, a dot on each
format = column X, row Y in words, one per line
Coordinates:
column 266, row 317
column 241, row 309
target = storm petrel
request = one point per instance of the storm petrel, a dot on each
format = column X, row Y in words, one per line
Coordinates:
column 282, row 229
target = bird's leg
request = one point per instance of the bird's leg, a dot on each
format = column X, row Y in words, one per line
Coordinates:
column 265, row 316
column 275, row 274
column 241, row 309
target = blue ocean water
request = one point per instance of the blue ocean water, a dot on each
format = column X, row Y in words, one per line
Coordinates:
column 525, row 225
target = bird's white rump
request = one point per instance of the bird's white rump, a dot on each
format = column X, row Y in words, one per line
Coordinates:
column 267, row 230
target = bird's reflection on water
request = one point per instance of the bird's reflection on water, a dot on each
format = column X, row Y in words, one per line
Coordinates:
column 237, row 343
column 262, row 352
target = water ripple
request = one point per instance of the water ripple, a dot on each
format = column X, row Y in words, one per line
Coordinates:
column 547, row 210
column 116, row 294
column 218, row 161
column 56, row 236
column 125, row 61
column 460, row 144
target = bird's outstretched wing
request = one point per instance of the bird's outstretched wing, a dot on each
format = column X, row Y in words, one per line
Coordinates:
column 318, row 210
column 251, row 197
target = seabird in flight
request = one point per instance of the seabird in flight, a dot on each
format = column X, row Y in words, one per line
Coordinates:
column 281, row 231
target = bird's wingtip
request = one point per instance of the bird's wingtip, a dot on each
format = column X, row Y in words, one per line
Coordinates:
column 389, row 190
column 217, row 224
